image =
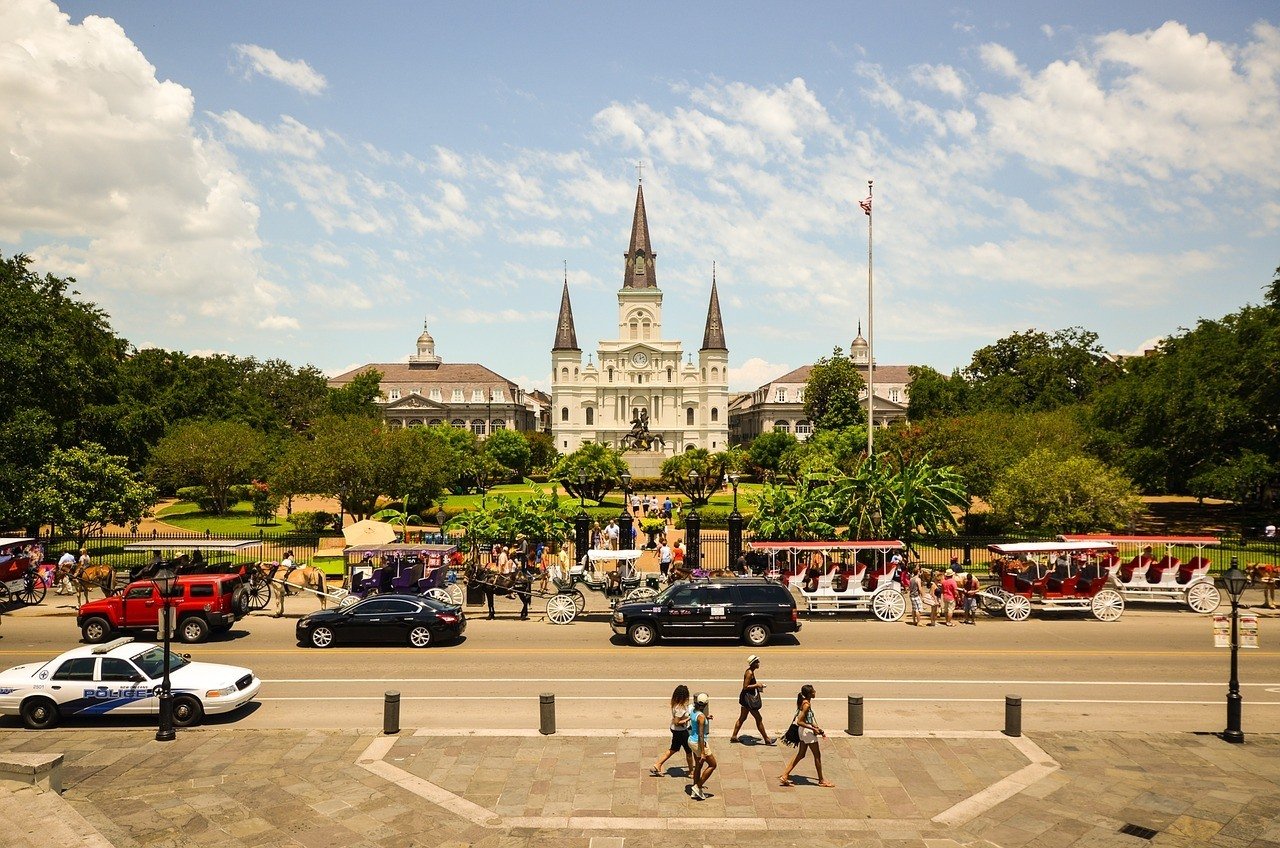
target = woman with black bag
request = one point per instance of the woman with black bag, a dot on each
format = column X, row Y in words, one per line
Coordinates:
column 750, row 699
column 804, row 732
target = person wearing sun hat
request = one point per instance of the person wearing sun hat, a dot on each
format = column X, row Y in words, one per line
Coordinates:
column 750, row 699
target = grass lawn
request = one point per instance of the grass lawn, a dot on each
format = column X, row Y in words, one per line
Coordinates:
column 239, row 521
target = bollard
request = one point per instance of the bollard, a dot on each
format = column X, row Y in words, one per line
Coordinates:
column 546, row 714
column 391, row 714
column 855, row 716
column 1012, row 715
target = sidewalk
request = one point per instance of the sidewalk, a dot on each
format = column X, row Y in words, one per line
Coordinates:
column 218, row 788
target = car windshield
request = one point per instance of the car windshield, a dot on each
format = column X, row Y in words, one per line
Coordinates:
column 667, row 593
column 436, row 604
column 151, row 662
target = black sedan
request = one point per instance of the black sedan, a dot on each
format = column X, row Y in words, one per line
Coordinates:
column 384, row 618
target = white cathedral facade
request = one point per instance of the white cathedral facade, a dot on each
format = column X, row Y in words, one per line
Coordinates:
column 639, row 373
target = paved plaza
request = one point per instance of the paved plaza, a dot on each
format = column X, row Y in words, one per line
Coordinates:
column 219, row 788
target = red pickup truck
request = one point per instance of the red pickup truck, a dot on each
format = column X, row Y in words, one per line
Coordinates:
column 202, row 603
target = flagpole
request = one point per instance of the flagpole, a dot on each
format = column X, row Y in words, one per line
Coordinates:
column 871, row 335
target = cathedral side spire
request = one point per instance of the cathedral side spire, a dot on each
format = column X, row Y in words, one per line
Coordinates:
column 566, row 335
column 640, row 272
column 713, row 335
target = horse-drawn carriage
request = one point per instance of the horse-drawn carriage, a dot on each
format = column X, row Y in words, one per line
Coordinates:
column 840, row 576
column 19, row 577
column 400, row 567
column 1054, row 575
column 621, row 585
column 1167, row 580
column 205, row 556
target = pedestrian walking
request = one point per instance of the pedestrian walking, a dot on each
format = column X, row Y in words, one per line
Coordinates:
column 950, row 591
column 929, row 592
column 677, row 555
column 704, row 761
column 913, row 592
column 597, row 536
column 665, row 555
column 611, row 535
column 680, row 720
column 750, row 699
column 804, row 733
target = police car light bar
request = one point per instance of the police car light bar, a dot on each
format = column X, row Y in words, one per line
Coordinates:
column 107, row 647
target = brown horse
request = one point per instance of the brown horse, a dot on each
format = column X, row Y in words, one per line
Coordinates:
column 1266, row 575
column 85, row 578
column 302, row 577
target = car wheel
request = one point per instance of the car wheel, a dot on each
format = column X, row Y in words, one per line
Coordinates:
column 187, row 711
column 756, row 634
column 322, row 637
column 39, row 713
column 642, row 634
column 96, row 630
column 420, row 636
column 193, row 630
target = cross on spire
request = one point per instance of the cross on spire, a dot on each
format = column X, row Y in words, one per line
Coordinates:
column 640, row 171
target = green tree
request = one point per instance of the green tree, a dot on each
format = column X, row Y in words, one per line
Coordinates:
column 359, row 396
column 354, row 462
column 1074, row 494
column 934, row 395
column 510, row 449
column 84, row 489
column 767, row 450
column 787, row 513
column 831, row 393
column 600, row 466
column 1037, row 371
column 540, row 517
column 826, row 453
column 542, row 449
column 711, row 469
column 1243, row 479
column 58, row 361
column 213, row 454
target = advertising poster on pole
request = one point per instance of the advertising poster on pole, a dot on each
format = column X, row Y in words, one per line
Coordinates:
column 1248, row 631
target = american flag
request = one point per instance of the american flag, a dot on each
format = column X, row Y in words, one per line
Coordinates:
column 866, row 206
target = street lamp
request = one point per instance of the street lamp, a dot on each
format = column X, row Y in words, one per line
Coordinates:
column 735, row 524
column 625, row 521
column 582, row 485
column 164, row 581
column 581, row 531
column 1235, row 582
column 734, row 477
column 693, row 526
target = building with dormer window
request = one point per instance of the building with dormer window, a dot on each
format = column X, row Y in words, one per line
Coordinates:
column 640, row 370
column 413, row 393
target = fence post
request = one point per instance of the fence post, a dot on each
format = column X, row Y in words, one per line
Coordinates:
column 625, row 525
column 581, row 536
column 1012, row 715
column 391, row 714
column 855, row 716
column 693, row 539
column 546, row 714
column 735, row 539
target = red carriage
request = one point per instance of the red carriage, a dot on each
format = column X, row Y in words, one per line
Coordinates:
column 20, row 576
column 1167, row 579
column 1055, row 576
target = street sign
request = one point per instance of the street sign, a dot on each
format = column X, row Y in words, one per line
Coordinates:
column 1248, row 631
column 161, row 629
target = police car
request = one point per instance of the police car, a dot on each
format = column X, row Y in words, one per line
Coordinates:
column 121, row 677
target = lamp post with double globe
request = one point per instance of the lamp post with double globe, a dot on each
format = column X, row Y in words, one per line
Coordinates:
column 735, row 524
column 693, row 526
column 1235, row 582
column 624, row 518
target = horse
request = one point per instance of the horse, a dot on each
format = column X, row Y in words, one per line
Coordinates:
column 301, row 577
column 1268, row 575
column 518, row 584
column 83, row 579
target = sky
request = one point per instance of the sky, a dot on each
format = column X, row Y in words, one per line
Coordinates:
column 313, row 180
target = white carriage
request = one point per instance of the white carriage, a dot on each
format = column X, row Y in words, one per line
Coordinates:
column 832, row 577
column 1066, row 575
column 622, row 584
column 1167, row 580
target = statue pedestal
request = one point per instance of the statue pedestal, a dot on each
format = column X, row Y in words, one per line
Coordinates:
column 644, row 463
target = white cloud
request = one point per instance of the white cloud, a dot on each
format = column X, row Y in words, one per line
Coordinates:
column 278, row 323
column 106, row 176
column 289, row 138
column 497, row 316
column 530, row 383
column 1142, row 347
column 943, row 78
column 754, row 373
column 296, row 74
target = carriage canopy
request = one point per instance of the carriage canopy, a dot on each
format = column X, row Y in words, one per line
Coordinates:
column 861, row 545
column 611, row 556
column 192, row 544
column 1070, row 546
column 1191, row 541
column 10, row 541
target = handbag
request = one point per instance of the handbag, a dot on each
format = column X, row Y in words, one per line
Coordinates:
column 792, row 736
column 754, row 699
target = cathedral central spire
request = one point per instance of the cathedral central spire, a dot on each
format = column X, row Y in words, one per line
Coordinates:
column 566, row 335
column 640, row 272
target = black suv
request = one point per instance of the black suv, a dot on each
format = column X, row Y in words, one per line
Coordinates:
column 747, row 608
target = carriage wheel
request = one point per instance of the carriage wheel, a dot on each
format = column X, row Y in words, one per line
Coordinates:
column 993, row 600
column 1203, row 598
column 1017, row 607
column 561, row 609
column 1107, row 605
column 579, row 600
column 32, row 592
column 888, row 605
column 454, row 591
column 259, row 593
column 644, row 593
column 437, row 594
column 348, row 601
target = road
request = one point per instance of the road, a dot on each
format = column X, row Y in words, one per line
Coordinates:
column 1153, row 670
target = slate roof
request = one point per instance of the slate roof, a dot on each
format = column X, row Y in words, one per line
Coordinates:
column 566, row 335
column 640, row 242
column 713, row 335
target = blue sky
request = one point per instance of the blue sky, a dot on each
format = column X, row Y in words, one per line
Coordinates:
column 311, row 180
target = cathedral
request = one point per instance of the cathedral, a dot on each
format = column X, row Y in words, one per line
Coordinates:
column 639, row 379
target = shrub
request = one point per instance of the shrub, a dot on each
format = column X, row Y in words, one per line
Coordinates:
column 199, row 496
column 713, row 517
column 312, row 522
